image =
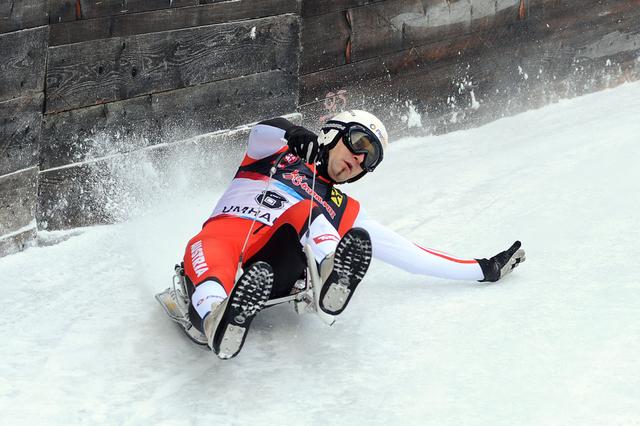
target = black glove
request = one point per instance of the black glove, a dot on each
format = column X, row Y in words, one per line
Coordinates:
column 303, row 143
column 502, row 263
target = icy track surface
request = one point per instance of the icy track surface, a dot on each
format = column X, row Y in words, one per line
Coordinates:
column 556, row 343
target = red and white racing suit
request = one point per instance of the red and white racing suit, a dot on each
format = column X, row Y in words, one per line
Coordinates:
column 281, row 214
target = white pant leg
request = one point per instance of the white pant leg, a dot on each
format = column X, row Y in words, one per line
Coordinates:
column 323, row 238
column 207, row 293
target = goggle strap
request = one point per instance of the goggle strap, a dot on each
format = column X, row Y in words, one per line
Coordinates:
column 338, row 124
column 333, row 125
column 343, row 128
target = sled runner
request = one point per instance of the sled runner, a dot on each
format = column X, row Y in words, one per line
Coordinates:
column 175, row 302
column 304, row 298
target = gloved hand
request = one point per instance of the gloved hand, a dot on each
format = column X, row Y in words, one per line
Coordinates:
column 303, row 143
column 502, row 263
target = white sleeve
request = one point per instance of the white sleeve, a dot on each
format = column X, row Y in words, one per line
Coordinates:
column 265, row 140
column 396, row 250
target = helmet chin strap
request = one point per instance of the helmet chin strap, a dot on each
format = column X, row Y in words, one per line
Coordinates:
column 323, row 165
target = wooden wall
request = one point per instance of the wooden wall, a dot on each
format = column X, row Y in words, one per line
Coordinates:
column 23, row 49
column 86, row 85
column 460, row 63
column 84, row 82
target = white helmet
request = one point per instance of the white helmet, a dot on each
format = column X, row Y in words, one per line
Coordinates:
column 361, row 132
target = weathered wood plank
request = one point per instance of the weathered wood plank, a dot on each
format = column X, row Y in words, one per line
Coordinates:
column 71, row 10
column 320, row 7
column 62, row 11
column 395, row 25
column 75, row 196
column 22, row 67
column 20, row 123
column 224, row 104
column 315, row 86
column 554, row 18
column 18, row 241
column 101, row 71
column 504, row 13
column 457, row 18
column 18, row 194
column 325, row 42
column 585, row 12
column 110, row 189
column 612, row 29
column 608, row 33
column 124, row 126
column 507, row 71
column 22, row 14
column 99, row 8
column 444, row 96
column 383, row 27
column 378, row 28
column 415, row 60
column 167, row 19
column 426, row 87
column 93, row 132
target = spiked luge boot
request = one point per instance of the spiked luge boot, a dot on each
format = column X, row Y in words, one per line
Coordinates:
column 227, row 325
column 342, row 271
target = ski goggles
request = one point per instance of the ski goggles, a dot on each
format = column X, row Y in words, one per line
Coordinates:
column 361, row 140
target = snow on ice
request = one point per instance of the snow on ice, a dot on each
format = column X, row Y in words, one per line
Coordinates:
column 556, row 343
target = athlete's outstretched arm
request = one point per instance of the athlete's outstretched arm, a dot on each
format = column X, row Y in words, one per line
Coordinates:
column 396, row 250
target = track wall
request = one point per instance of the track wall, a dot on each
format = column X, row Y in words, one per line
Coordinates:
column 89, row 86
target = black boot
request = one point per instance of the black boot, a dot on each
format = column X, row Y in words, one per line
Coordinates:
column 342, row 271
column 227, row 325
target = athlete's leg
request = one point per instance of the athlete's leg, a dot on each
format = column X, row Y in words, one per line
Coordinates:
column 279, row 246
column 282, row 245
column 322, row 237
column 342, row 262
column 211, row 262
column 281, row 250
